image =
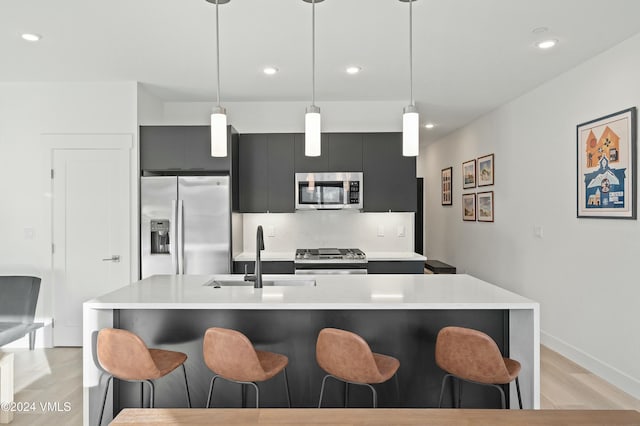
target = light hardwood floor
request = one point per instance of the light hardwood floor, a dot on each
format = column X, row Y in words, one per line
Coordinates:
column 55, row 375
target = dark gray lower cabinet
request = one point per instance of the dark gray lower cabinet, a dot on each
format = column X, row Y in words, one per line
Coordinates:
column 396, row 267
column 268, row 267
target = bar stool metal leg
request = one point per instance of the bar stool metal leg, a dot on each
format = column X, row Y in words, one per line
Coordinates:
column 374, row 393
column 257, row 394
column 104, row 399
column 444, row 383
column 186, row 385
column 153, row 392
column 518, row 389
column 286, row 386
column 346, row 394
column 213, row 382
column 322, row 389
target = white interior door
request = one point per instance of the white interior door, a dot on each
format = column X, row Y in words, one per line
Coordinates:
column 91, row 233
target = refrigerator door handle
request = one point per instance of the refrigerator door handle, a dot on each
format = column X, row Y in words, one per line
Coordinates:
column 174, row 235
column 180, row 238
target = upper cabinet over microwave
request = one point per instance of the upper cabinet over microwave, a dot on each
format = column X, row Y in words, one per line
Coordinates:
column 341, row 190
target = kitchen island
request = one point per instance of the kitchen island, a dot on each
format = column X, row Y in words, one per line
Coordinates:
column 398, row 315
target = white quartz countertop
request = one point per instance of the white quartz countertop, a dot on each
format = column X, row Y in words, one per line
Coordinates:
column 438, row 291
column 289, row 256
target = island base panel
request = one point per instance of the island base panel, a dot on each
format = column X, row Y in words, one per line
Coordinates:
column 408, row 335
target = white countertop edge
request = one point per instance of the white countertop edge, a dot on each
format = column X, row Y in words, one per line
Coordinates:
column 297, row 306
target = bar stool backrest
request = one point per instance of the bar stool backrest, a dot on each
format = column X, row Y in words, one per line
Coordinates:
column 125, row 356
column 347, row 356
column 471, row 355
column 231, row 355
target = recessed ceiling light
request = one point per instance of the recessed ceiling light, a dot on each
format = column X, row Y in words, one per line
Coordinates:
column 429, row 125
column 31, row 37
column 270, row 70
column 540, row 30
column 353, row 70
column 546, row 44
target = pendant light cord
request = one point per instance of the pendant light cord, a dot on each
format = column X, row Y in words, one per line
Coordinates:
column 313, row 52
column 411, row 50
column 218, row 53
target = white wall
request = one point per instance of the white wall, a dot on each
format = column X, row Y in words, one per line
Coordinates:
column 584, row 272
column 28, row 110
column 340, row 228
column 283, row 117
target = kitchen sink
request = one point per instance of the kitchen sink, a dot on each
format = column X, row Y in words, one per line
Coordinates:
column 265, row 283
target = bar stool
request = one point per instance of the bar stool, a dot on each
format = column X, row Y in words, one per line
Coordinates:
column 232, row 357
column 472, row 356
column 346, row 357
column 124, row 356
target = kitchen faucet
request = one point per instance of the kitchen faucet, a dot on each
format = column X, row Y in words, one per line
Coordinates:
column 257, row 275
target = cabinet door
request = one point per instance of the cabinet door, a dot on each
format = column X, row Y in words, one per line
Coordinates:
column 395, row 267
column 197, row 145
column 345, row 152
column 280, row 160
column 252, row 179
column 389, row 178
column 161, row 147
column 305, row 164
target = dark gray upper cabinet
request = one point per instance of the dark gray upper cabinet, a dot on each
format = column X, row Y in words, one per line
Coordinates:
column 305, row 164
column 252, row 173
column 345, row 152
column 389, row 178
column 280, row 160
column 179, row 148
column 266, row 173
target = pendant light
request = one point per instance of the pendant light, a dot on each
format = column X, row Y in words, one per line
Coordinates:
column 219, row 114
column 410, row 117
column 312, row 116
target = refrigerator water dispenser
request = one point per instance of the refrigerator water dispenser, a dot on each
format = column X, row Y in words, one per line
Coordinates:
column 160, row 236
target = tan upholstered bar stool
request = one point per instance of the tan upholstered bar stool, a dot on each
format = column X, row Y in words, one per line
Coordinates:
column 345, row 356
column 231, row 356
column 124, row 356
column 473, row 356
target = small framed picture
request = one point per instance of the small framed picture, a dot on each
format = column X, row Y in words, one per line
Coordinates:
column 485, row 170
column 446, row 175
column 469, row 174
column 485, row 206
column 469, row 207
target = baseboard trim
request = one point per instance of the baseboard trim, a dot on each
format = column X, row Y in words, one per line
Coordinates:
column 607, row 372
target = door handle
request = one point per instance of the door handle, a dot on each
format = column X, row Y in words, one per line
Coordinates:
column 113, row 258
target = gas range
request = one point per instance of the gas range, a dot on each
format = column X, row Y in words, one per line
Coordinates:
column 330, row 261
column 351, row 255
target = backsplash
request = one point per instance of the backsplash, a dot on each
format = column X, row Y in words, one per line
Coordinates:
column 331, row 228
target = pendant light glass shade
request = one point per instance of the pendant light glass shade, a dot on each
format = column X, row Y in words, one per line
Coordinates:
column 312, row 132
column 410, row 131
column 219, row 132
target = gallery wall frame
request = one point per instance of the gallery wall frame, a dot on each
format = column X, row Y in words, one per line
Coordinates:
column 606, row 166
column 485, row 206
column 469, row 207
column 469, row 174
column 446, row 176
column 485, row 170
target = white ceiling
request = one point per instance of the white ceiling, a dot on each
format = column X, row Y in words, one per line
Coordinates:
column 470, row 56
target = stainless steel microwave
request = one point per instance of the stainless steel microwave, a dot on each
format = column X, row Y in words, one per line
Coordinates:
column 339, row 190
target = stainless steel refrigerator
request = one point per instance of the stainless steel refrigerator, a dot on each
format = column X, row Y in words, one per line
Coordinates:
column 185, row 225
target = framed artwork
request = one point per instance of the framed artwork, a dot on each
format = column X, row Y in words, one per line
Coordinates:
column 485, row 206
column 469, row 174
column 485, row 170
column 469, row 207
column 606, row 173
column 446, row 176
